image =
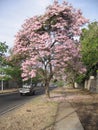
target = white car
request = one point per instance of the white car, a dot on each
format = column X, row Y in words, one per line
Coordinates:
column 27, row 89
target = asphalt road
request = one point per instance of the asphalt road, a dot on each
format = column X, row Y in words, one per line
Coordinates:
column 11, row 101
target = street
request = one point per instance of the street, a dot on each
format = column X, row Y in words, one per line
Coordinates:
column 11, row 101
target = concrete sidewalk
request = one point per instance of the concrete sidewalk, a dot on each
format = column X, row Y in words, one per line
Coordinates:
column 67, row 118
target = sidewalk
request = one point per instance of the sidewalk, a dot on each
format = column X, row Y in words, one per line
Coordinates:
column 8, row 91
column 67, row 118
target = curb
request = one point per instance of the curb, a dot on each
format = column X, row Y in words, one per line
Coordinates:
column 7, row 93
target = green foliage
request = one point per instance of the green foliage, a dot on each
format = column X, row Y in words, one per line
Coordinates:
column 80, row 78
column 60, row 83
column 3, row 48
column 3, row 75
column 89, row 42
column 9, row 72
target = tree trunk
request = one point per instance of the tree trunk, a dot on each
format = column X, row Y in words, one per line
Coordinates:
column 73, row 85
column 47, row 92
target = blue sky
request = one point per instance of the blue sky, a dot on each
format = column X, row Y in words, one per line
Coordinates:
column 14, row 12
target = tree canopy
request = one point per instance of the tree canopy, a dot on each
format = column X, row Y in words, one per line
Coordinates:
column 47, row 43
column 89, row 42
column 3, row 50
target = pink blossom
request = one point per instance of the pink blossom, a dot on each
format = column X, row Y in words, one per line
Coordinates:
column 47, row 42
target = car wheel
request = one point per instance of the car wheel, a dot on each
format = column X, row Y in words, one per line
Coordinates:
column 21, row 94
column 33, row 92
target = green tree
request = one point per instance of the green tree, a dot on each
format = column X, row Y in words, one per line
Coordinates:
column 89, row 42
column 3, row 50
column 13, row 68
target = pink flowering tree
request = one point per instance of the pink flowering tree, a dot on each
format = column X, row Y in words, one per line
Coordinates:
column 46, row 43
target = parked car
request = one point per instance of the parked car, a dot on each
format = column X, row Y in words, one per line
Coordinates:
column 27, row 89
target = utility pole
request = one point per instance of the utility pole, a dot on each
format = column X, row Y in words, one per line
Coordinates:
column 2, row 81
column 1, row 73
column 2, row 84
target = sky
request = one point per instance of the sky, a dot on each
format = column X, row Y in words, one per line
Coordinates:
column 14, row 12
